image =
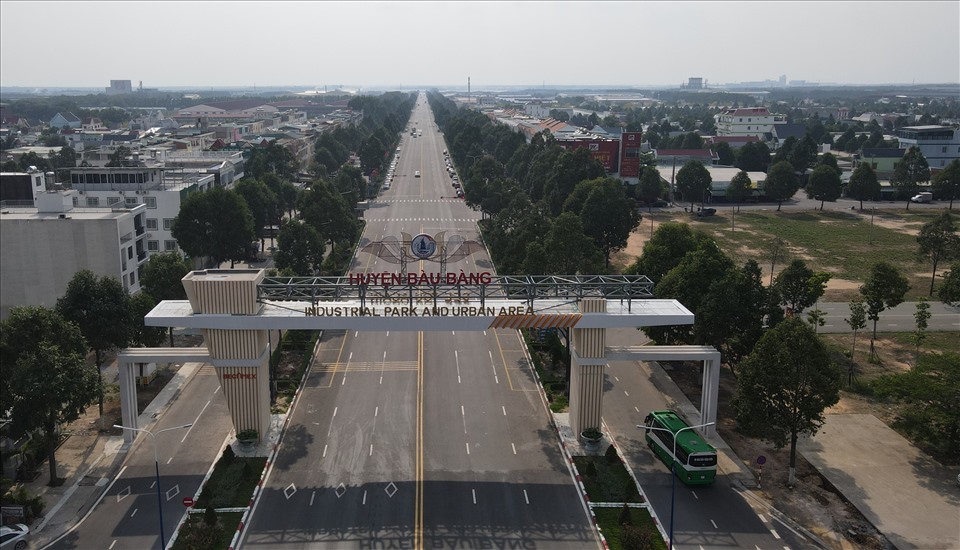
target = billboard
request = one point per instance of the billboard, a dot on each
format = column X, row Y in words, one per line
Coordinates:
column 630, row 154
column 607, row 151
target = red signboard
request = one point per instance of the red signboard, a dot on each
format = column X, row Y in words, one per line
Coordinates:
column 188, row 502
column 630, row 154
column 607, row 151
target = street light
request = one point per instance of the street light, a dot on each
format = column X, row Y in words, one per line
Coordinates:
column 673, row 465
column 156, row 463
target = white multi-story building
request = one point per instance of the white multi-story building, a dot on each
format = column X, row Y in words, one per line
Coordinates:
column 45, row 245
column 159, row 190
column 747, row 121
column 940, row 145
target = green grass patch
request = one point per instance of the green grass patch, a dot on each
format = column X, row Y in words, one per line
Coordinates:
column 608, row 519
column 605, row 480
column 196, row 535
column 840, row 243
column 232, row 482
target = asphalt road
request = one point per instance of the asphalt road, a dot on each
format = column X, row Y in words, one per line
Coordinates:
column 420, row 440
column 943, row 318
column 126, row 517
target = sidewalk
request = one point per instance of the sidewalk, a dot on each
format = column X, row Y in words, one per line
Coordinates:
column 88, row 463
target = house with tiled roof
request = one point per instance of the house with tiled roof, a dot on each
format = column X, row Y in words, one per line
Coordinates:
column 65, row 120
column 668, row 156
column 735, row 142
column 783, row 132
column 93, row 124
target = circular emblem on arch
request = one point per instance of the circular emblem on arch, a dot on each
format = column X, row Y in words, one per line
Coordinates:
column 423, row 246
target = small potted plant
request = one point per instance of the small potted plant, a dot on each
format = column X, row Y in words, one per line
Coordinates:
column 248, row 439
column 591, row 439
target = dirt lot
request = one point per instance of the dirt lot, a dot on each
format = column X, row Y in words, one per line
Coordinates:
column 91, row 422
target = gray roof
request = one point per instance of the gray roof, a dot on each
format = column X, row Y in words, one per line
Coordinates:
column 784, row 131
column 887, row 152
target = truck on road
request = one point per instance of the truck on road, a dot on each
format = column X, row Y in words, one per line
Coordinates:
column 922, row 197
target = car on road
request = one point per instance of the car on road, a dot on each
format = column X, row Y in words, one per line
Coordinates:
column 416, row 174
column 14, row 537
column 704, row 212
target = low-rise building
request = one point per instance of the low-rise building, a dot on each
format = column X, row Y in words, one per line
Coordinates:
column 747, row 121
column 45, row 245
column 940, row 145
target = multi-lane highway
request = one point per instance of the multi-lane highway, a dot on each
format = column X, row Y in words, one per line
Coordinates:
column 420, row 440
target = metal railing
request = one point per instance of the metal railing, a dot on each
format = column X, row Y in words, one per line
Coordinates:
column 504, row 287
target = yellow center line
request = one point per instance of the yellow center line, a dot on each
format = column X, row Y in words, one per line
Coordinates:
column 418, row 505
column 336, row 366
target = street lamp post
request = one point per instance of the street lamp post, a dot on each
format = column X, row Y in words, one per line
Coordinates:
column 673, row 466
column 156, row 463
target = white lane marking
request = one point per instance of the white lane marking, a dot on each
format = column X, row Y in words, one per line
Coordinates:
column 514, row 447
column 335, row 411
column 376, row 411
column 461, row 411
column 468, row 447
column 356, row 334
column 474, row 491
column 371, row 450
column 617, row 378
column 364, row 498
column 175, row 490
column 694, row 495
column 169, row 460
column 526, row 497
column 216, row 390
column 324, row 452
column 312, row 495
column 496, row 379
column 636, row 409
column 504, row 409
column 381, row 380
column 123, row 493
column 344, row 381
column 625, row 393
column 134, row 512
column 154, row 484
column 111, row 544
column 289, row 491
column 350, row 358
column 775, row 534
column 454, row 332
column 388, row 333
column 714, row 524
column 763, row 518
column 456, row 357
column 196, row 420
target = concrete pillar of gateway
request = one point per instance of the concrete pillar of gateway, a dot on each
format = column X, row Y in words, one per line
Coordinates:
column 240, row 357
column 586, row 373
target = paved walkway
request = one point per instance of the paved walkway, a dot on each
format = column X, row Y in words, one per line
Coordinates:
column 908, row 497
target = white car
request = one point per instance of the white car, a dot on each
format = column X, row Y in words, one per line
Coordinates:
column 416, row 174
column 14, row 537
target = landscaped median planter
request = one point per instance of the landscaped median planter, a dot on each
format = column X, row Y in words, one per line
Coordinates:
column 591, row 439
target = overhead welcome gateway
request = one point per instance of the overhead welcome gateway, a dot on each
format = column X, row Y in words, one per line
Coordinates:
column 235, row 308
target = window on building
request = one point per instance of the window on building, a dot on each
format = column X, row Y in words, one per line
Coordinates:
column 153, row 246
column 129, row 252
column 93, row 202
column 167, row 224
column 113, row 200
column 170, row 246
column 76, row 201
column 944, row 150
column 151, row 224
column 133, row 278
column 151, row 202
column 130, row 201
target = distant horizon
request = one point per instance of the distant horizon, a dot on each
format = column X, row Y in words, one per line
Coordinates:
column 486, row 88
column 377, row 44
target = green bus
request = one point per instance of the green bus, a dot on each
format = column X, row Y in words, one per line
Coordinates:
column 696, row 460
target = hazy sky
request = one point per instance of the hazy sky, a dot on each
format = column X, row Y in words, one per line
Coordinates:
column 410, row 44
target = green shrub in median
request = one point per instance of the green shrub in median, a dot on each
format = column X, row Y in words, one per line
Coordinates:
column 232, row 482
column 639, row 534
